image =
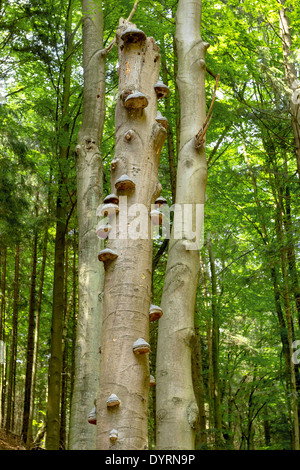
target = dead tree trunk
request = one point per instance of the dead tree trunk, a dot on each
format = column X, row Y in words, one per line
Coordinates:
column 124, row 377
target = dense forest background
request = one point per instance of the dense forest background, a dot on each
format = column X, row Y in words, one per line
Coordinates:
column 248, row 301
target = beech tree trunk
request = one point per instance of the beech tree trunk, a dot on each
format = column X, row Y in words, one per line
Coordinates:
column 177, row 411
column 127, row 293
column 89, row 195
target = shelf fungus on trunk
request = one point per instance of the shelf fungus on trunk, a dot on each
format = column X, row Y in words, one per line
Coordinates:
column 160, row 201
column 136, row 100
column 92, row 418
column 155, row 312
column 113, row 400
column 111, row 199
column 124, row 183
column 133, row 35
column 140, row 346
column 107, row 255
column 109, row 210
column 163, row 121
column 113, row 435
column 103, row 230
column 152, row 381
column 161, row 90
column 156, row 217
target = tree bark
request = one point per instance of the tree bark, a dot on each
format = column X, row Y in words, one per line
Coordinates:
column 139, row 139
column 176, row 405
column 30, row 346
column 89, row 194
column 13, row 349
column 215, row 350
column 2, row 329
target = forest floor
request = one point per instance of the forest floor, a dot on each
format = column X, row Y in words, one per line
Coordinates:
column 10, row 441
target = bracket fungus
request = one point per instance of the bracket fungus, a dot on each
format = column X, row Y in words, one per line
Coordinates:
column 161, row 90
column 103, row 230
column 107, row 255
column 161, row 201
column 152, row 381
column 155, row 313
column 109, row 210
column 140, row 346
column 111, row 199
column 124, row 183
column 92, row 419
column 113, row 400
column 133, row 35
column 136, row 100
column 162, row 120
column 113, row 435
column 156, row 217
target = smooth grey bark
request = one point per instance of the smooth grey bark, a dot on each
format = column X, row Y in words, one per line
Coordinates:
column 177, row 411
column 127, row 293
column 89, row 194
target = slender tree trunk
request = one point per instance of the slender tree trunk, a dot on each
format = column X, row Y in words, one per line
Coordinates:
column 13, row 349
column 56, row 357
column 38, row 314
column 64, row 380
column 177, row 410
column 199, row 387
column 139, row 139
column 30, row 345
column 215, row 350
column 2, row 329
column 36, row 333
column 89, row 194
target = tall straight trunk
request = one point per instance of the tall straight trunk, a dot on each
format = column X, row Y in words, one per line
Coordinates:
column 199, row 387
column 13, row 348
column 127, row 293
column 89, row 194
column 2, row 328
column 64, row 381
column 55, row 364
column 291, row 78
column 74, row 315
column 30, row 345
column 37, row 330
column 38, row 314
column 56, row 357
column 176, row 405
column 215, row 350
